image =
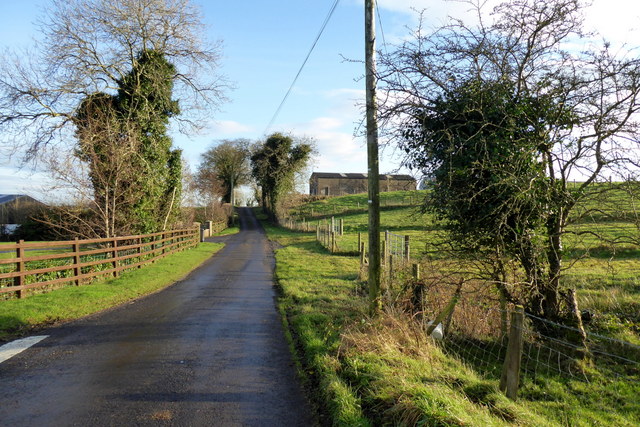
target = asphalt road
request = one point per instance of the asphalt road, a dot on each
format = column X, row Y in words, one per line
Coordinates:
column 208, row 351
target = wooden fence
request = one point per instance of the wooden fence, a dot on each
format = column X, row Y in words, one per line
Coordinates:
column 78, row 261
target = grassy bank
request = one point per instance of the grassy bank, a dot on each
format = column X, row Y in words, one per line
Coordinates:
column 20, row 316
column 374, row 372
column 385, row 371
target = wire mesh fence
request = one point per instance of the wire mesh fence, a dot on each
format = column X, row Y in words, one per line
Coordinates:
column 478, row 335
column 396, row 245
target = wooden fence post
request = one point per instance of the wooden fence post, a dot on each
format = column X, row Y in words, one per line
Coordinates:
column 76, row 261
column 510, row 378
column 416, row 271
column 363, row 254
column 19, row 281
column 139, row 252
column 114, row 254
column 341, row 221
column 384, row 252
column 359, row 239
column 406, row 248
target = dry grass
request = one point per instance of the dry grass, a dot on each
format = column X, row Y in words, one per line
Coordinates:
column 391, row 331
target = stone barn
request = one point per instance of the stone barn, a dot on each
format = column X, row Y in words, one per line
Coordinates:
column 340, row 184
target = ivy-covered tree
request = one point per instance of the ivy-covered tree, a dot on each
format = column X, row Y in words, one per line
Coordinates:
column 92, row 46
column 144, row 99
column 105, row 69
column 480, row 144
column 274, row 165
column 506, row 114
column 135, row 173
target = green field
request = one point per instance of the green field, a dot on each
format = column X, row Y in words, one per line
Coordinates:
column 385, row 371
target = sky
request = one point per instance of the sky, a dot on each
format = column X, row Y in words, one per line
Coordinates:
column 264, row 44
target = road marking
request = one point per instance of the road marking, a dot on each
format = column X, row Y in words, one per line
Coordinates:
column 9, row 350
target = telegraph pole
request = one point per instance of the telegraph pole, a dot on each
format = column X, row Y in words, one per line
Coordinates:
column 372, row 158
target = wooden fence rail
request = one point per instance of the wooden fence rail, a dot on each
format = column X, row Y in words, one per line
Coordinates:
column 77, row 261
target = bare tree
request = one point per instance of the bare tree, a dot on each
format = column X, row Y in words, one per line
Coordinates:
column 570, row 103
column 88, row 47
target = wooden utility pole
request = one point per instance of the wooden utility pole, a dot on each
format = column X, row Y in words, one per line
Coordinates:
column 372, row 158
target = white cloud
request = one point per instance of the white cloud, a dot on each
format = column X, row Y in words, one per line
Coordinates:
column 230, row 127
column 617, row 21
column 16, row 181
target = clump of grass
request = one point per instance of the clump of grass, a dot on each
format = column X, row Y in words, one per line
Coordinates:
column 404, row 378
column 20, row 316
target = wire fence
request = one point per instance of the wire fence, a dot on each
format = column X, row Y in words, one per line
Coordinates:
column 396, row 245
column 328, row 231
column 478, row 335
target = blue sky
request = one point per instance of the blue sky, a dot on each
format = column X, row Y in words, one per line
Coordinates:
column 264, row 44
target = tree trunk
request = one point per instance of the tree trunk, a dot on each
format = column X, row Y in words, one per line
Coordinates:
column 551, row 293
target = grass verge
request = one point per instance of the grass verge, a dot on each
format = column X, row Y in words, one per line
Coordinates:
column 385, row 371
column 20, row 316
column 227, row 231
column 380, row 371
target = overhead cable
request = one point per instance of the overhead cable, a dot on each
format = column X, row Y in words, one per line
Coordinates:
column 324, row 24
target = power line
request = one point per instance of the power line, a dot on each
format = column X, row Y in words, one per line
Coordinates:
column 324, row 24
column 384, row 41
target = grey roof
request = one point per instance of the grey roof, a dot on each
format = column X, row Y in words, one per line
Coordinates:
column 359, row 176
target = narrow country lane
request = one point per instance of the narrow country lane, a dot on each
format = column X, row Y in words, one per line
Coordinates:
column 208, row 351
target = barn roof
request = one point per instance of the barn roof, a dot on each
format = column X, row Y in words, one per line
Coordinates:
column 335, row 175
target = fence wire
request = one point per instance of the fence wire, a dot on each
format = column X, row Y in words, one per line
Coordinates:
column 549, row 349
column 396, row 245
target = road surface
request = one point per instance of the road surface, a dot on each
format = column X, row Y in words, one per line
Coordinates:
column 209, row 350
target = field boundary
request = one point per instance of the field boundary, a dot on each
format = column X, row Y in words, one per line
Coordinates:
column 80, row 261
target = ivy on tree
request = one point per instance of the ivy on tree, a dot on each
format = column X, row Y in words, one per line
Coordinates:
column 134, row 121
column 501, row 114
column 274, row 165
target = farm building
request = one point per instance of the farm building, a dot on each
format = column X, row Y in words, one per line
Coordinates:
column 17, row 208
column 339, row 184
